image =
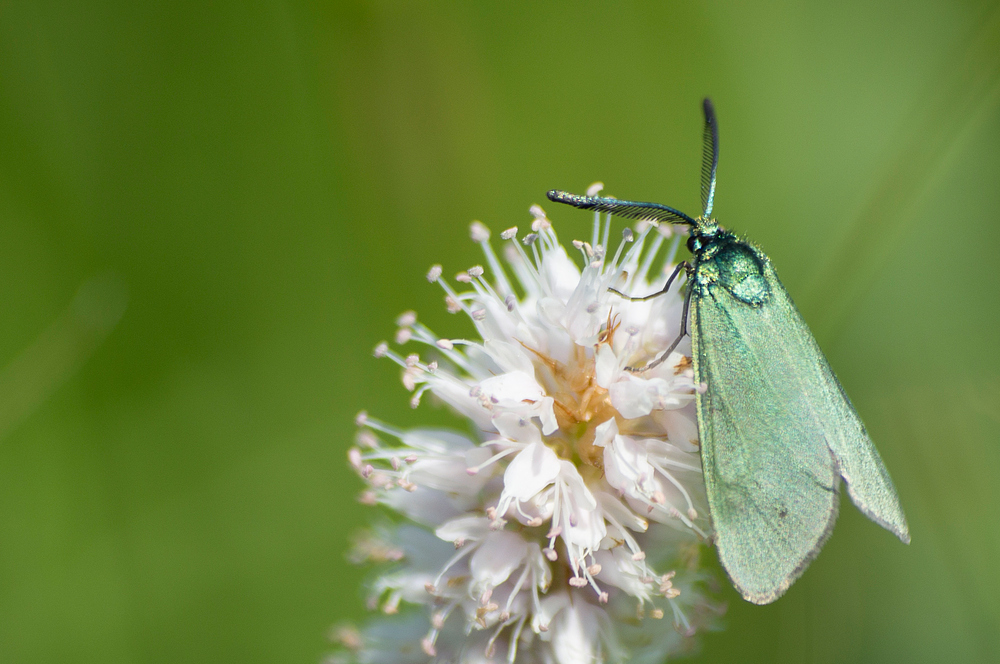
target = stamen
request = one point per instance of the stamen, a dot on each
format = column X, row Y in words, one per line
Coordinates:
column 680, row 487
column 647, row 262
column 462, row 553
column 481, row 234
column 515, row 447
column 515, row 637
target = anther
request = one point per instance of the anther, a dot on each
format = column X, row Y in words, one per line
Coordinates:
column 479, row 314
column 434, row 273
column 444, row 344
column 627, row 234
column 529, row 239
column 354, row 457
column 381, row 349
column 409, row 382
column 361, row 419
column 509, row 234
column 578, row 582
column 403, row 335
column 463, row 277
column 537, row 212
column 406, row 319
column 540, row 224
column 595, row 188
column 476, row 271
column 479, row 232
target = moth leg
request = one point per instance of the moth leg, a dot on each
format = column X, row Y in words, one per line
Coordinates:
column 684, row 330
column 682, row 266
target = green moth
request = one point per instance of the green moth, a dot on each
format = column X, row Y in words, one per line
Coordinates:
column 777, row 430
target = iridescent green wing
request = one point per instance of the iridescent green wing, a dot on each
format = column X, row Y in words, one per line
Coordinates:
column 777, row 433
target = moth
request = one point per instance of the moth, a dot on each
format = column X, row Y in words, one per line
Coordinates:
column 777, row 431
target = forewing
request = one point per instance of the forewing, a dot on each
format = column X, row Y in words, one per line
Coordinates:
column 868, row 481
column 776, row 434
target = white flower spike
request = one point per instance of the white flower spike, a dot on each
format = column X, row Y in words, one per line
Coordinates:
column 569, row 521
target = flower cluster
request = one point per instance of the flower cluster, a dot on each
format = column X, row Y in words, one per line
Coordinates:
column 568, row 525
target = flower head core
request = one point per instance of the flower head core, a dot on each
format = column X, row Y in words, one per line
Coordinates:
column 569, row 523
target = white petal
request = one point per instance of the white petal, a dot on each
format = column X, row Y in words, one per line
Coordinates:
column 636, row 397
column 605, row 433
column 549, row 607
column 574, row 483
column 560, row 272
column 510, row 357
column 436, row 440
column 501, row 553
column 547, row 414
column 425, row 505
column 606, row 369
column 532, row 470
column 473, row 528
column 620, row 570
column 457, row 396
column 586, row 527
column 512, row 389
column 626, row 466
column 575, row 634
column 552, row 311
column 517, row 428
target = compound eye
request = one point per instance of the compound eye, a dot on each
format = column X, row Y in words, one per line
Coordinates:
column 693, row 244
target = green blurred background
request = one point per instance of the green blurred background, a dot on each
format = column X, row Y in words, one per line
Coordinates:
column 269, row 182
